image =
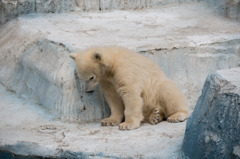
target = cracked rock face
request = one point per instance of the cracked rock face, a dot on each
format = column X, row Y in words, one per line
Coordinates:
column 10, row 9
column 47, row 76
column 213, row 128
column 228, row 8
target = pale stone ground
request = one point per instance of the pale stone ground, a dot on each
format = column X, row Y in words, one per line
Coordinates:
column 26, row 128
column 27, row 125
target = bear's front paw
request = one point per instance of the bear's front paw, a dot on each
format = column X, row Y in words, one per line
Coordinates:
column 128, row 126
column 109, row 122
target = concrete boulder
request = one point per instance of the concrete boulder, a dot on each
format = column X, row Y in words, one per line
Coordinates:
column 46, row 75
column 213, row 128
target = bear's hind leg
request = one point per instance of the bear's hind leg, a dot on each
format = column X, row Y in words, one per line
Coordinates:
column 177, row 117
column 156, row 116
column 174, row 102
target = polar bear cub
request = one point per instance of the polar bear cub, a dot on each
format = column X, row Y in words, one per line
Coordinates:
column 135, row 88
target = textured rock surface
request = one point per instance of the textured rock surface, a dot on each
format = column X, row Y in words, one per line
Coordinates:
column 214, row 126
column 28, row 130
column 229, row 8
column 13, row 8
column 46, row 75
column 41, row 71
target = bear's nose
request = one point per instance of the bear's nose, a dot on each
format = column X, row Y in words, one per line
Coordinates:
column 91, row 91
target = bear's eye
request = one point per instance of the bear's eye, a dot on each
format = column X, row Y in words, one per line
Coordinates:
column 91, row 78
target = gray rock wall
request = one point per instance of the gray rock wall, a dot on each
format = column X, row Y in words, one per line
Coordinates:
column 10, row 9
column 214, row 126
column 41, row 71
column 138, row 4
column 228, row 8
column 46, row 75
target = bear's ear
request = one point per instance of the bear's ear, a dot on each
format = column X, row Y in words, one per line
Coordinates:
column 97, row 56
column 73, row 55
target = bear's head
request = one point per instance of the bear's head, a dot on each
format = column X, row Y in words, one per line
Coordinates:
column 88, row 68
